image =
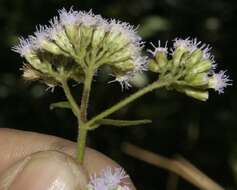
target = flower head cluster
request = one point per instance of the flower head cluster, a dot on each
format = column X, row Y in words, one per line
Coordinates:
column 109, row 179
column 191, row 68
column 76, row 41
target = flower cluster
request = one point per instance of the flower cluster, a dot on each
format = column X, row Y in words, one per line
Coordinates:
column 190, row 69
column 109, row 179
column 76, row 41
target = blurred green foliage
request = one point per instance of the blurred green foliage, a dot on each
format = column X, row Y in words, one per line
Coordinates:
column 204, row 133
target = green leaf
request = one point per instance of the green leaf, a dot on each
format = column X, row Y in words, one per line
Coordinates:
column 122, row 123
column 63, row 104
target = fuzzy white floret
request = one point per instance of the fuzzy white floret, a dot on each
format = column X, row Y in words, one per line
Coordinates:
column 113, row 177
column 124, row 81
column 183, row 43
column 158, row 48
column 140, row 63
column 40, row 36
column 125, row 29
column 55, row 28
column 88, row 18
column 68, row 17
column 193, row 44
column 108, row 179
column 221, row 81
column 24, row 47
column 97, row 183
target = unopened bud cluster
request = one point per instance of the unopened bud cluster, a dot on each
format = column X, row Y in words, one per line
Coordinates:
column 189, row 67
column 77, row 41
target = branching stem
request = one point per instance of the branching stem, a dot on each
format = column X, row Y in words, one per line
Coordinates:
column 81, row 140
column 124, row 102
column 71, row 100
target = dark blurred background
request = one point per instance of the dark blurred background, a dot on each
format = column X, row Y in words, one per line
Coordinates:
column 204, row 133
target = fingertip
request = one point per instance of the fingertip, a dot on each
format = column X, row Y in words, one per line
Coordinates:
column 45, row 170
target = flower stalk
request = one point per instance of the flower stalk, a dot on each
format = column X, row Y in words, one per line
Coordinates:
column 75, row 109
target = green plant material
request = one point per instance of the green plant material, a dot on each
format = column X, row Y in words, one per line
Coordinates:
column 64, row 104
column 122, row 123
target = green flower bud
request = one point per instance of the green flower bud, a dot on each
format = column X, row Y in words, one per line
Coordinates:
column 98, row 37
column 197, row 94
column 161, row 59
column 202, row 66
column 153, row 66
column 195, row 57
column 52, row 48
column 177, row 55
column 123, row 66
column 184, row 58
column 200, row 79
column 32, row 58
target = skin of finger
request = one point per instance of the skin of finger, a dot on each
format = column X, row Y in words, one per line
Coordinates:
column 16, row 145
column 46, row 170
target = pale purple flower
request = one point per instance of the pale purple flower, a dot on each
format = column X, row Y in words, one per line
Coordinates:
column 159, row 48
column 113, row 177
column 221, row 81
column 127, row 45
column 40, row 36
column 126, row 30
column 68, row 17
column 97, row 183
column 24, row 47
column 124, row 80
column 109, row 179
column 182, row 43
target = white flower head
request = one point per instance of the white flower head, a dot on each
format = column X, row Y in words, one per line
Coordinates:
column 126, row 30
column 39, row 37
column 219, row 81
column 159, row 48
column 113, row 177
column 97, row 183
column 68, row 17
column 124, row 80
column 89, row 18
column 140, row 63
column 55, row 28
column 109, row 179
column 83, row 38
column 182, row 43
column 24, row 47
column 195, row 44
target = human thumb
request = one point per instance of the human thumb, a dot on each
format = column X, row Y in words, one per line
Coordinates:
column 46, row 170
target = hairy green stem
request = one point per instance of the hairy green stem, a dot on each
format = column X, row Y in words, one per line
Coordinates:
column 86, row 95
column 71, row 100
column 109, row 111
column 82, row 128
column 81, row 142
